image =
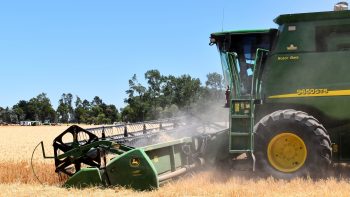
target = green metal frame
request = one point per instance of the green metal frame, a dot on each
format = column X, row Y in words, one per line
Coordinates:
column 147, row 167
column 242, row 119
column 310, row 54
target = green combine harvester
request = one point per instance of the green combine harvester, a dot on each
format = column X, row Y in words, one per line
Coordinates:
column 289, row 92
column 288, row 96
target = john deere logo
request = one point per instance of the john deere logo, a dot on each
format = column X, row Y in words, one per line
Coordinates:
column 135, row 162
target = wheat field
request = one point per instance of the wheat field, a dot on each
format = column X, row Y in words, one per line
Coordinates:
column 16, row 177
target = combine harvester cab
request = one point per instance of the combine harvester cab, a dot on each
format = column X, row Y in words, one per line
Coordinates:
column 142, row 159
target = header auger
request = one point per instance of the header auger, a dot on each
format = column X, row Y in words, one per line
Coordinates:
column 140, row 155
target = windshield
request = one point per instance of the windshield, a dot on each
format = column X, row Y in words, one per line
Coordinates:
column 225, row 69
column 237, row 53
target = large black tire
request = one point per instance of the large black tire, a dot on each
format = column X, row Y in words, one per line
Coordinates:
column 307, row 128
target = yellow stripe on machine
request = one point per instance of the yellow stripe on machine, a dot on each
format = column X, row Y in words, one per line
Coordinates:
column 300, row 94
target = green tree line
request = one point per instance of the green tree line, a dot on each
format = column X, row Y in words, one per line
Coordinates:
column 161, row 97
column 165, row 96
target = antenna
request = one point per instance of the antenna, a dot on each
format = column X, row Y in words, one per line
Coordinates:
column 223, row 18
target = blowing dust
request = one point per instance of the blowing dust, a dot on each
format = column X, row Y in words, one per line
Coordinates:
column 199, row 119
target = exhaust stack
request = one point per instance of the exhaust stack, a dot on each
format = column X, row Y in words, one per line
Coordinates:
column 341, row 6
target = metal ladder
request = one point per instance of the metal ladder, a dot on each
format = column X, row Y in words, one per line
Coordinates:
column 241, row 124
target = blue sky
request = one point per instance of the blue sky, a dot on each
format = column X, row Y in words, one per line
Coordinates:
column 90, row 48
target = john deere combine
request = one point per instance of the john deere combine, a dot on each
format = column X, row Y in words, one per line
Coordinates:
column 289, row 92
column 289, row 99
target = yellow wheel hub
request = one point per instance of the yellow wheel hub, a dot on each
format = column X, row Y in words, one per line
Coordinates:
column 287, row 152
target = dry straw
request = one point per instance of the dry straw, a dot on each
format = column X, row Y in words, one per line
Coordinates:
column 16, row 178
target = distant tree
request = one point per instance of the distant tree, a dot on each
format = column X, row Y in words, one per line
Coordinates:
column 65, row 110
column 46, row 112
column 2, row 111
column 186, row 90
column 112, row 113
column 6, row 115
column 62, row 113
column 154, row 80
column 37, row 108
column 21, row 110
column 79, row 110
column 102, row 119
column 85, row 116
column 138, row 102
column 86, row 104
column 214, row 80
column 135, row 88
column 128, row 114
column 169, row 111
column 83, row 111
column 96, row 101
column 168, row 91
column 94, row 112
column 163, row 96
column 214, row 85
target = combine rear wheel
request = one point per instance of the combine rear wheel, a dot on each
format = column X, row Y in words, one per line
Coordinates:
column 291, row 144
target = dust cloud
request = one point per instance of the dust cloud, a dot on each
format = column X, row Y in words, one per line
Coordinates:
column 199, row 119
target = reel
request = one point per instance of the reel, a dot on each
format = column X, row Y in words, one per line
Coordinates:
column 68, row 157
